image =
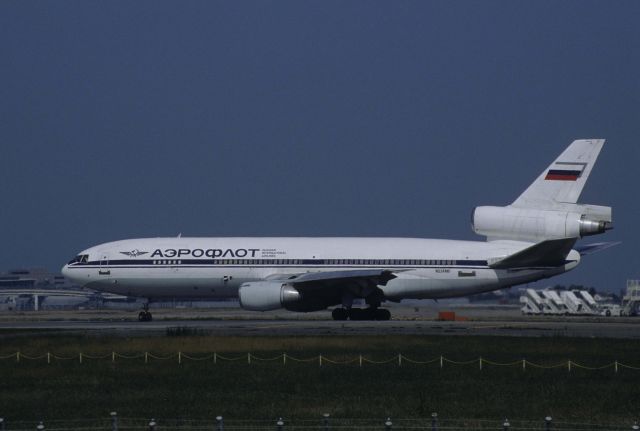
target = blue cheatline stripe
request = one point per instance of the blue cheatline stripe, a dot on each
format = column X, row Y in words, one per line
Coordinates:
column 285, row 262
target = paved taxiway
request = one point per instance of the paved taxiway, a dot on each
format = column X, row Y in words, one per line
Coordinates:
column 315, row 327
column 480, row 321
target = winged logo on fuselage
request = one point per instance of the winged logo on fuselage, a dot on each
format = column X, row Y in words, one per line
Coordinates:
column 134, row 253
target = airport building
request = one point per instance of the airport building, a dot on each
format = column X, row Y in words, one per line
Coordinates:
column 35, row 278
column 31, row 288
column 39, row 289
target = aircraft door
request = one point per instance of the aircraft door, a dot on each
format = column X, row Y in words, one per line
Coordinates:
column 104, row 268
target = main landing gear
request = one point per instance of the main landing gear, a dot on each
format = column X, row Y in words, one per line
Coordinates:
column 361, row 314
column 145, row 315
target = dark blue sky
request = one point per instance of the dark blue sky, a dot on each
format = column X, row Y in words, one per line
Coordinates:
column 376, row 118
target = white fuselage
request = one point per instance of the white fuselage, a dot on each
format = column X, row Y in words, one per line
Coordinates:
column 528, row 240
column 216, row 267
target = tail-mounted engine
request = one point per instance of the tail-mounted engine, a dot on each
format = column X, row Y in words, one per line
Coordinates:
column 529, row 224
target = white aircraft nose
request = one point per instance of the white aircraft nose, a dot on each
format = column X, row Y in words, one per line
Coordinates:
column 65, row 271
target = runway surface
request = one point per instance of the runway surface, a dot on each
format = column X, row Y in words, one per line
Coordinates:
column 489, row 321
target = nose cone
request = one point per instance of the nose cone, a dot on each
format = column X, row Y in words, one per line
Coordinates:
column 69, row 274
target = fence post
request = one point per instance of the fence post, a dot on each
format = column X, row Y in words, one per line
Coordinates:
column 80, row 357
column 248, row 358
column 179, row 357
column 284, row 359
column 152, row 425
column 441, row 361
column 17, row 356
column 48, row 357
column 320, row 360
column 280, row 425
column 215, row 358
column 388, row 425
column 399, row 359
column 616, row 366
column 114, row 421
column 360, row 360
column 113, row 356
column 506, row 425
column 40, row 426
column 524, row 365
column 569, row 365
column 220, row 423
column 434, row 421
column 547, row 423
column 480, row 362
column 146, row 357
column 325, row 421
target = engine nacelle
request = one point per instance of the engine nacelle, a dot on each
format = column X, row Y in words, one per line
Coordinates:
column 528, row 224
column 267, row 295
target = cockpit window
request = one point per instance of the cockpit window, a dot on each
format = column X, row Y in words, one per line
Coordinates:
column 81, row 258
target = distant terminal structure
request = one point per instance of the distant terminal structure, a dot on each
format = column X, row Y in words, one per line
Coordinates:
column 39, row 289
column 33, row 278
column 28, row 289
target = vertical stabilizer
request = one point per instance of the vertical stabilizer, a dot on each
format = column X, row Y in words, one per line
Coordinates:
column 548, row 209
column 564, row 179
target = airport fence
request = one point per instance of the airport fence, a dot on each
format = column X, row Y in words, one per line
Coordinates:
column 326, row 423
column 320, row 360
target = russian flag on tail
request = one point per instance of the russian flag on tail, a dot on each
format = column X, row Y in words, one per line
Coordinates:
column 563, row 171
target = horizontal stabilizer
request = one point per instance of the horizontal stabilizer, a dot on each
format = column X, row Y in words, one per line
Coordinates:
column 595, row 247
column 552, row 252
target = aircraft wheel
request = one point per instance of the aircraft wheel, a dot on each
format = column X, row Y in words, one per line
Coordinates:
column 357, row 314
column 382, row 314
column 145, row 316
column 340, row 314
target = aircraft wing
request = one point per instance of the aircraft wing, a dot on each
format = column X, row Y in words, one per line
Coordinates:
column 552, row 252
column 359, row 278
column 319, row 289
column 323, row 289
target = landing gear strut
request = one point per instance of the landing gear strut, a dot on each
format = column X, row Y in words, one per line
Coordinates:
column 145, row 315
column 370, row 313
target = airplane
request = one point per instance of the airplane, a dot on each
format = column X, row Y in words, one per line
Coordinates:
column 531, row 239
